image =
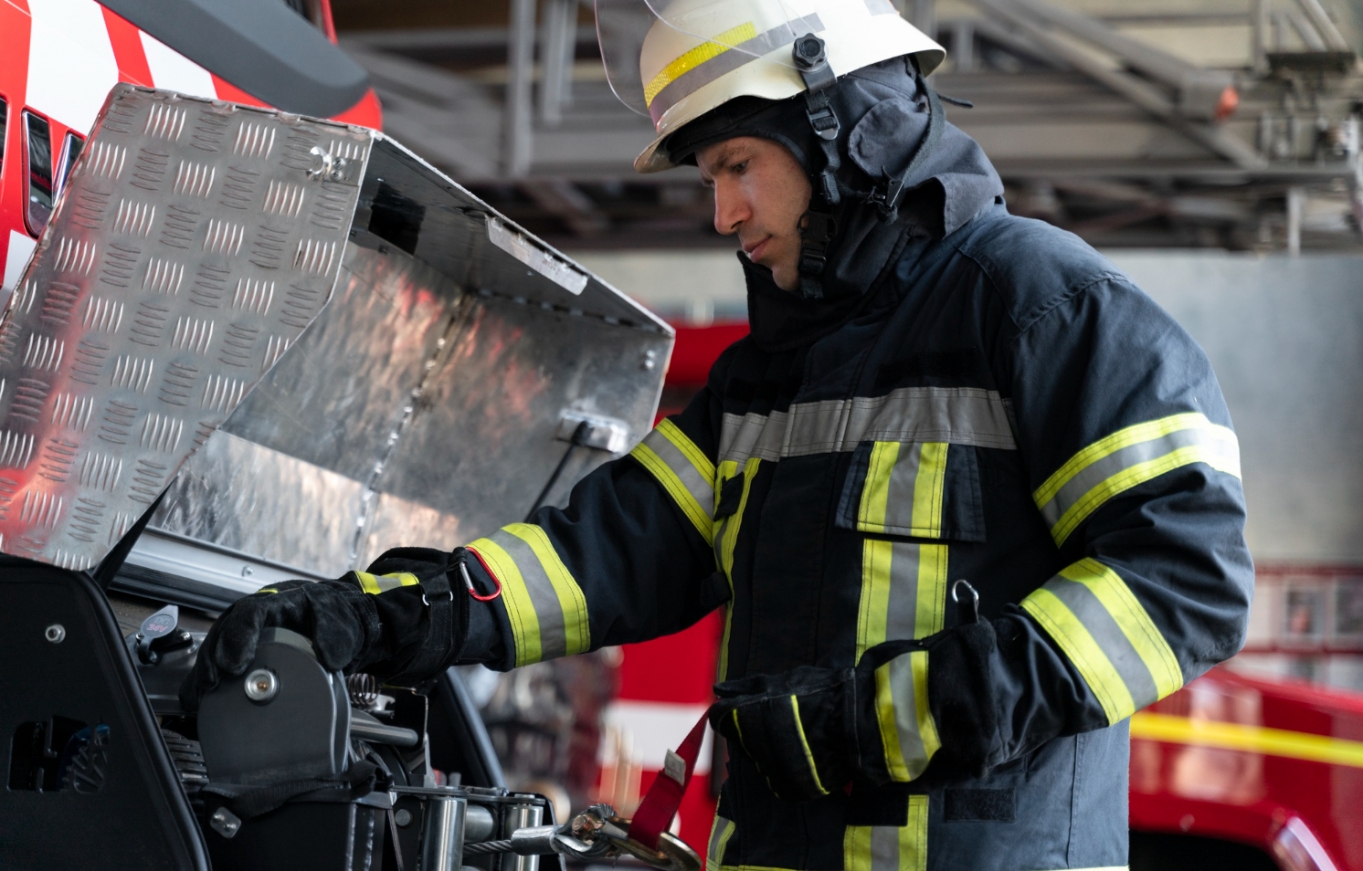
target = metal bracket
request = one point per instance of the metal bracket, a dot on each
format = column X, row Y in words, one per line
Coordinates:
column 603, row 433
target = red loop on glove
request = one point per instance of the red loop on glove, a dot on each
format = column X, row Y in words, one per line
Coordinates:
column 664, row 797
column 472, row 590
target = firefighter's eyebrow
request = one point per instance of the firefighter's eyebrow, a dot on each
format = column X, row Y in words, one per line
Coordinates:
column 723, row 160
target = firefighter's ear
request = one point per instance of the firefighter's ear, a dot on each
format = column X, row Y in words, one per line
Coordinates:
column 881, row 142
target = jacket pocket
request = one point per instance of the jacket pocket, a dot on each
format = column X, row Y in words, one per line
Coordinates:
column 915, row 489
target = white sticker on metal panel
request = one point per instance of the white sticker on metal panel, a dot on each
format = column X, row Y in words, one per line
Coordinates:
column 535, row 257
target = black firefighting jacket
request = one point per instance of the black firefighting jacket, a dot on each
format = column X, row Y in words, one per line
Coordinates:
column 1009, row 409
column 978, row 396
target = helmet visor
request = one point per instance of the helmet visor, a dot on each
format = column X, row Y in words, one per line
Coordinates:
column 649, row 46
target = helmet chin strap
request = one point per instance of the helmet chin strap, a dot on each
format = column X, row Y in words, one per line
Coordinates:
column 817, row 225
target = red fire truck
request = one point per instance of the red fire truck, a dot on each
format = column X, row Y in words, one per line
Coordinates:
column 59, row 58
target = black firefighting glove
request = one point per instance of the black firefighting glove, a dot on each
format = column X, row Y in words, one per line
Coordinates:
column 811, row 731
column 399, row 621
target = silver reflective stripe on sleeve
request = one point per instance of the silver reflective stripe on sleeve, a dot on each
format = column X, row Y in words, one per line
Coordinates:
column 684, row 472
column 544, row 604
column 1130, row 457
column 1108, row 636
column 959, row 415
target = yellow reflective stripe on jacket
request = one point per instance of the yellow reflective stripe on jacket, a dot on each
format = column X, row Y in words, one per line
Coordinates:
column 1128, row 458
column 804, row 745
column 904, row 489
column 726, row 538
column 1104, row 630
column 903, row 591
column 907, row 729
column 545, row 605
column 720, row 833
column 684, row 471
column 890, row 848
column 377, row 584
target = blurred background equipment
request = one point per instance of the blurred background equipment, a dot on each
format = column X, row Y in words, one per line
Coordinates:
column 1184, row 123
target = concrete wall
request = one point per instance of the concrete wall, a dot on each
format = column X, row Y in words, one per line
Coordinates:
column 1284, row 335
column 1286, row 339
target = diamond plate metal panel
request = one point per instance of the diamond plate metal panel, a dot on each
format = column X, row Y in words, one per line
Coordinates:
column 193, row 244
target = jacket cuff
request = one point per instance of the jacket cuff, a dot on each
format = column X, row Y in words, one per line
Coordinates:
column 489, row 626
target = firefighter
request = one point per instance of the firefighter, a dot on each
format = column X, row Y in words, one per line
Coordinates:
column 968, row 496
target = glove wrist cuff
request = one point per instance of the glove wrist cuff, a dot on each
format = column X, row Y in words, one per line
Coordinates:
column 447, row 618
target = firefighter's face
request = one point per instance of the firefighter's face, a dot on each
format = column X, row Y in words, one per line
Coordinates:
column 761, row 191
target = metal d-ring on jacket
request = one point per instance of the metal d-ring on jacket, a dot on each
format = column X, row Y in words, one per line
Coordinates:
column 1005, row 406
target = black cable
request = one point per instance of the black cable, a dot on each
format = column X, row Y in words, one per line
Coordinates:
column 579, row 438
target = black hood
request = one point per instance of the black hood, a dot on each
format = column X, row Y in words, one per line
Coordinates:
column 883, row 112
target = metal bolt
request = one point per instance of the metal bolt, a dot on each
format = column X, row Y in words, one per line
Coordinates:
column 402, row 817
column 56, row 633
column 650, row 359
column 247, row 571
column 224, row 822
column 261, row 685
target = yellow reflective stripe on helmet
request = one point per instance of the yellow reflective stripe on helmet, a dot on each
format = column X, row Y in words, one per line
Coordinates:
column 1104, row 630
column 907, row 728
column 903, row 591
column 804, row 744
column 684, row 472
column 375, row 585
column 1128, row 458
column 720, row 833
column 890, row 848
column 697, row 56
column 544, row 604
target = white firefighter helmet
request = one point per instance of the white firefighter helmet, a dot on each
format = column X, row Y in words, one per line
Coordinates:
column 675, row 60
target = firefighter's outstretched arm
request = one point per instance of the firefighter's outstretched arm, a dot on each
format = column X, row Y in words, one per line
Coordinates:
column 1136, row 474
column 628, row 559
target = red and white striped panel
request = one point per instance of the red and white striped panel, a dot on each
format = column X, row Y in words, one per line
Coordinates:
column 60, row 58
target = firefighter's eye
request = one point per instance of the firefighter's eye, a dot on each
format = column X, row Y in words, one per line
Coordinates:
column 740, row 167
